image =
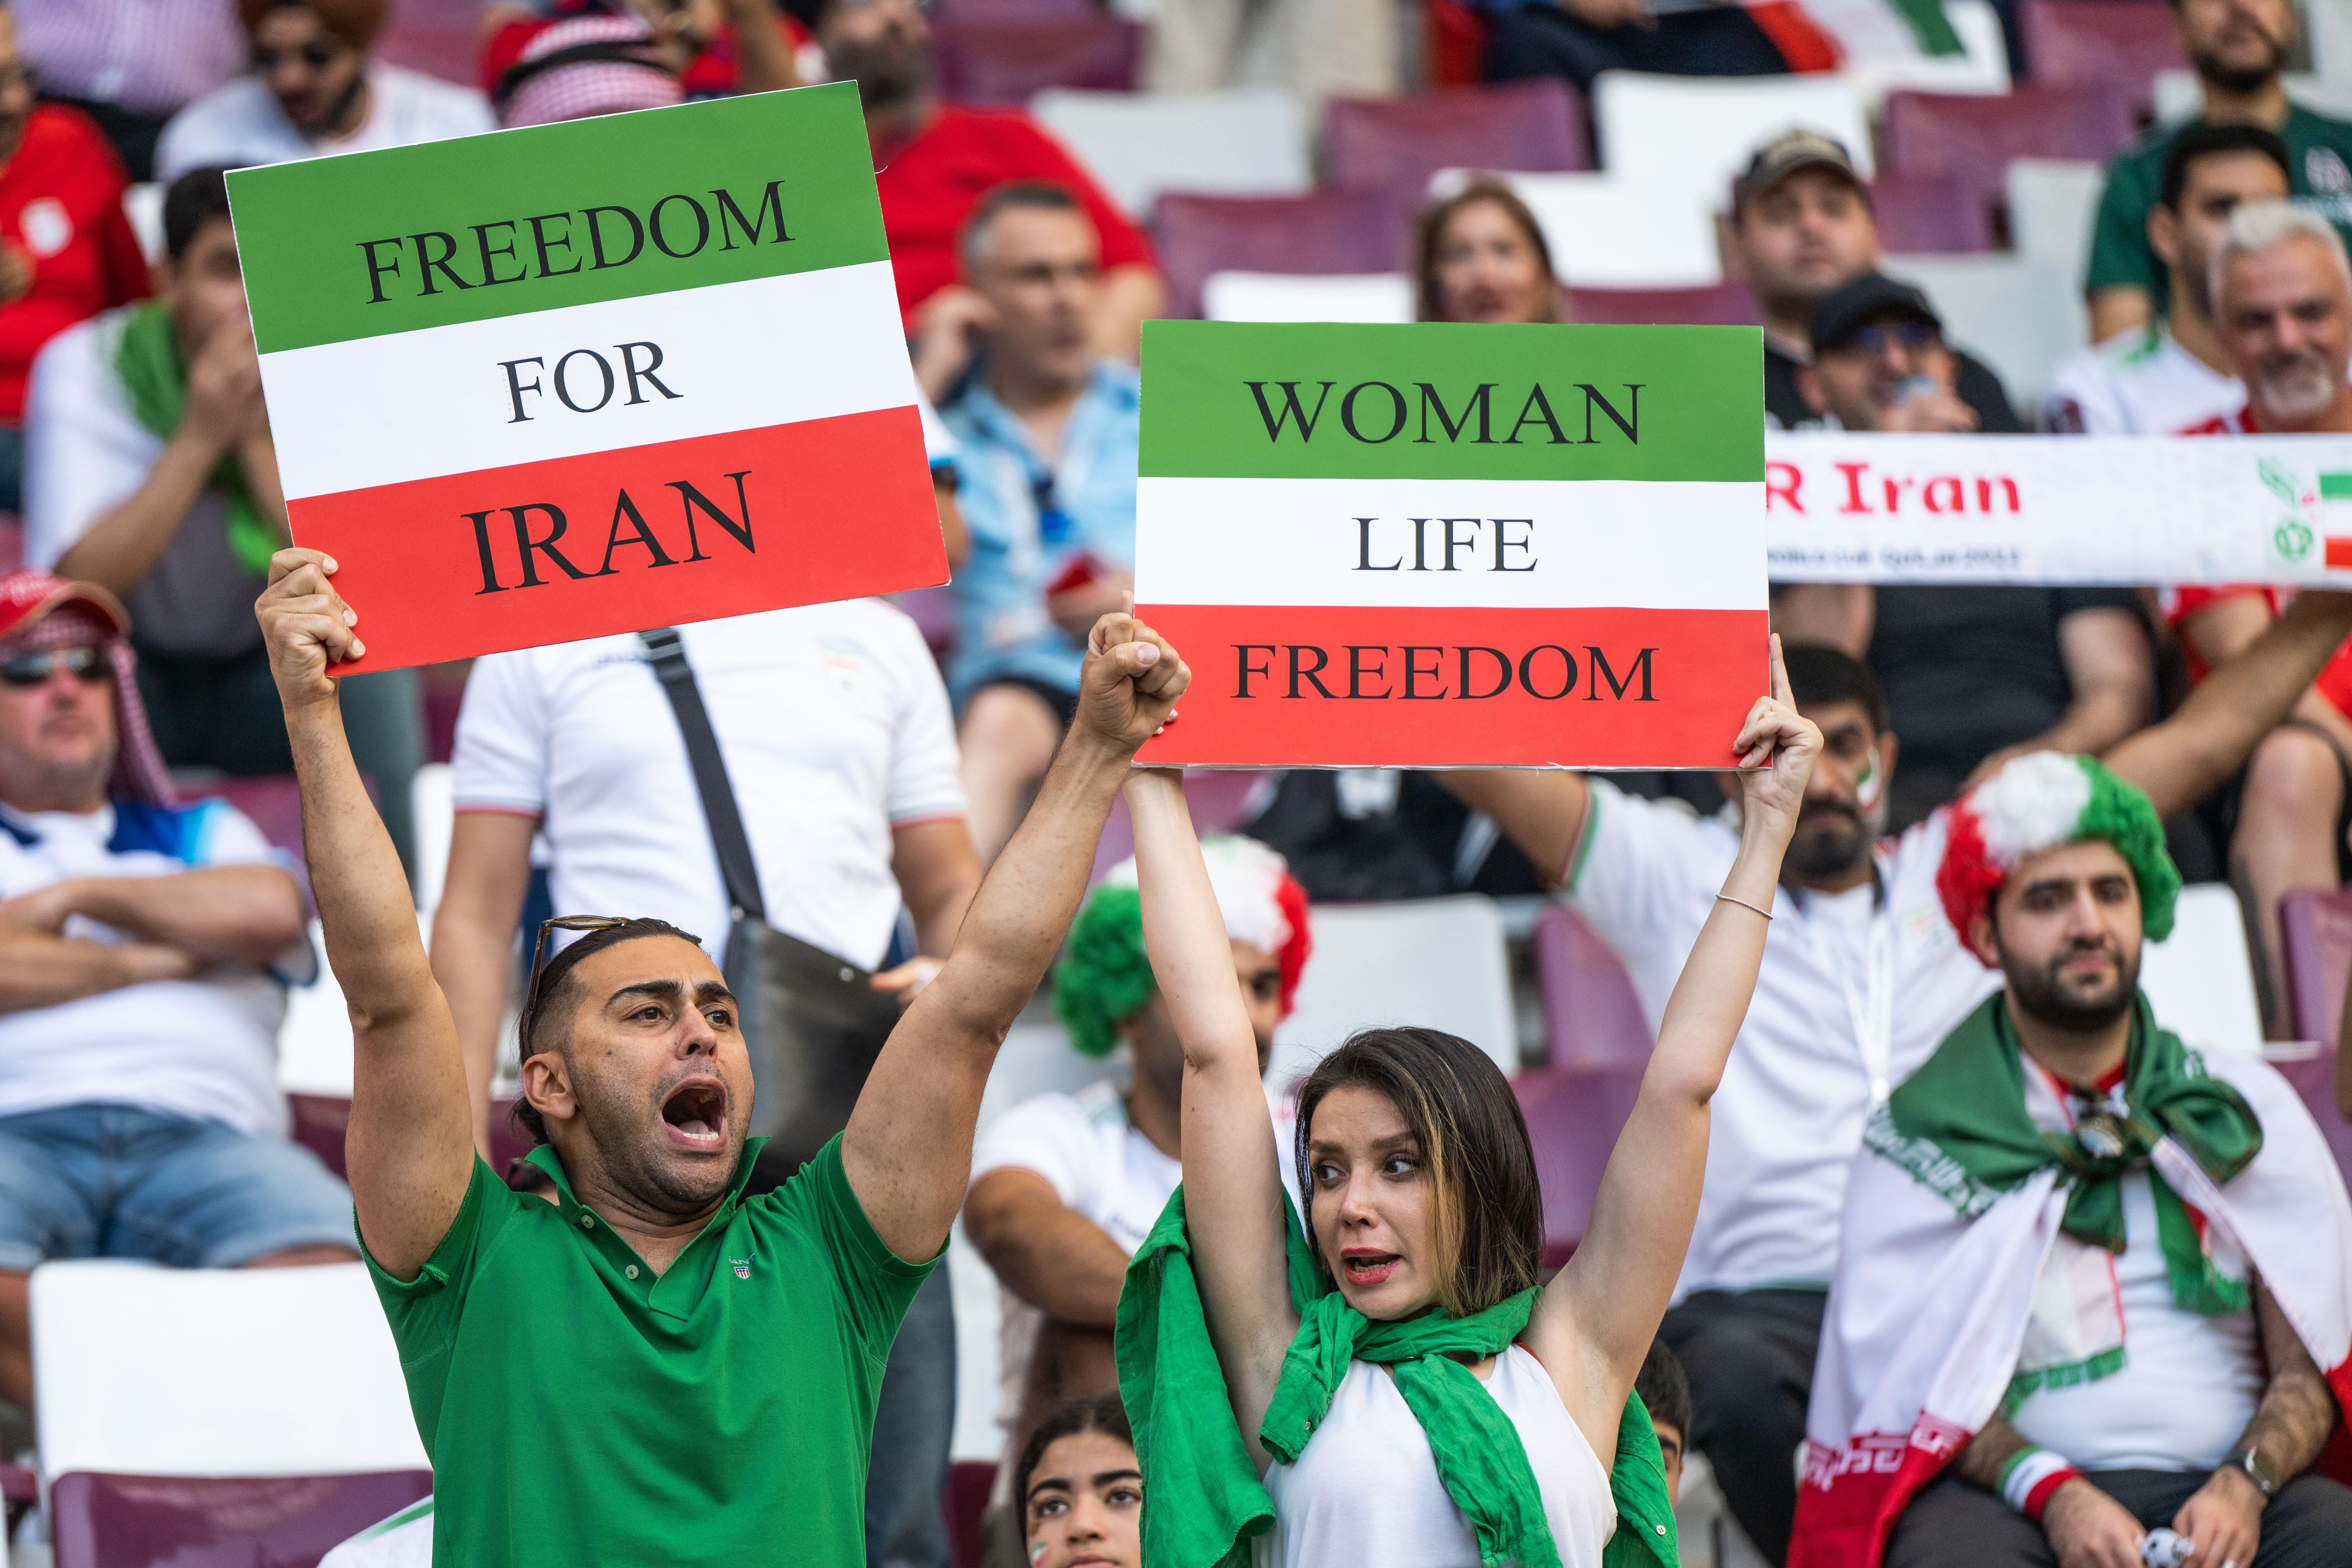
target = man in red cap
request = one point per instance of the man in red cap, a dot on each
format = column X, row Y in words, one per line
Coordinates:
column 143, row 956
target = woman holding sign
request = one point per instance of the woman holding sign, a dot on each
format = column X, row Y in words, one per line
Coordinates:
column 1389, row 1387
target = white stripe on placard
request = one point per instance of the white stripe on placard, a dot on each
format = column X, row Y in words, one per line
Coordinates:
column 738, row 356
column 1530, row 544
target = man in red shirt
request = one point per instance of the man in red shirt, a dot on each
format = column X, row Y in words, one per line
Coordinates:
column 2283, row 307
column 66, row 250
column 934, row 161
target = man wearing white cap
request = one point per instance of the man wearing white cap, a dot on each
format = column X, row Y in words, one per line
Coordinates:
column 142, row 955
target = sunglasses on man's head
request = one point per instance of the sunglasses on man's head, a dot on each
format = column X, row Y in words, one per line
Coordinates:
column 89, row 664
column 568, row 923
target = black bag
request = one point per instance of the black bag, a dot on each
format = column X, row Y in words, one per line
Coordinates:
column 812, row 1020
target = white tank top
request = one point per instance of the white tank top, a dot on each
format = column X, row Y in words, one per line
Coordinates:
column 1365, row 1492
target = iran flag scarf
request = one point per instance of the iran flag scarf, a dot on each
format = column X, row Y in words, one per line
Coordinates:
column 1980, row 1217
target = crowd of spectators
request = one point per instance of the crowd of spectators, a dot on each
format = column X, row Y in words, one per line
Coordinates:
column 876, row 776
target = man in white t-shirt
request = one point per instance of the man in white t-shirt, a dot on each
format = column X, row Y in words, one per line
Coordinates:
column 833, row 725
column 2169, row 374
column 1863, row 977
column 1064, row 1187
column 314, row 90
column 142, row 950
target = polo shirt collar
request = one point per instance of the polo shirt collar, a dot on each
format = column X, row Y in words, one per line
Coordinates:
column 550, row 1163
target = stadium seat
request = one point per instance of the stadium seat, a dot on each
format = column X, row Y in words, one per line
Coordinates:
column 1245, row 142
column 1573, row 1115
column 1291, row 297
column 1609, row 232
column 2118, row 43
column 2201, row 979
column 1975, row 138
column 206, row 1418
column 1939, row 215
column 1019, row 10
column 439, row 37
column 2052, row 205
column 2018, row 313
column 933, row 612
column 993, row 61
column 1982, row 67
column 1591, row 1016
column 1434, row 962
column 969, row 1484
column 1326, row 232
column 1221, row 800
column 319, row 1122
column 1723, row 305
column 1399, row 143
column 1691, row 134
column 2316, row 934
column 274, row 801
column 12, row 541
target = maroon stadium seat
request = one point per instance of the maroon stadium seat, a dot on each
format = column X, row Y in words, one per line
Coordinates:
column 969, row 1484
column 1397, row 144
column 933, row 612
column 989, row 60
column 274, row 801
column 1722, row 305
column 1574, row 1115
column 1930, row 215
column 1019, row 10
column 12, row 541
column 2069, row 43
column 2315, row 933
column 1973, row 138
column 1592, row 1015
column 148, row 1521
column 320, row 1122
column 439, row 37
column 1325, row 232
column 1221, row 798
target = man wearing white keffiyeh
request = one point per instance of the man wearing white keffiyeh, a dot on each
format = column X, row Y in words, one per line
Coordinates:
column 2091, row 1283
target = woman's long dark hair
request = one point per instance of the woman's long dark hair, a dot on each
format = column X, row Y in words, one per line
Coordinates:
column 1487, row 1213
column 1104, row 1414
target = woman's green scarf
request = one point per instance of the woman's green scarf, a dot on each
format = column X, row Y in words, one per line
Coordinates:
column 1204, row 1500
column 1968, row 1103
column 155, row 379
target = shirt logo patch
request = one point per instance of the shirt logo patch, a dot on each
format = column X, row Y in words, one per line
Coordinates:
column 743, row 1267
column 2324, row 172
column 47, row 226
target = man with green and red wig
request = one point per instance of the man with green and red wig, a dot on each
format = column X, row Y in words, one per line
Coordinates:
column 2093, row 1284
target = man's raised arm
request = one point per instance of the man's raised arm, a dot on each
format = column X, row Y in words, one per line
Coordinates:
column 2214, row 731
column 410, row 1148
column 908, row 1151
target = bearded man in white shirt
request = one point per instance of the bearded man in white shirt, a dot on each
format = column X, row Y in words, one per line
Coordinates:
column 1863, row 977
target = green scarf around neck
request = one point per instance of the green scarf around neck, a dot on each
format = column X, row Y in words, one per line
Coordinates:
column 1202, row 1498
column 155, row 379
column 1969, row 1102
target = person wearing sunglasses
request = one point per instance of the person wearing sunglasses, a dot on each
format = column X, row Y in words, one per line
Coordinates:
column 1974, row 675
column 145, row 950
column 656, row 1368
column 311, row 87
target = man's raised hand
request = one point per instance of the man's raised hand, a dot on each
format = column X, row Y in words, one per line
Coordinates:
column 1776, row 749
column 305, row 625
column 1130, row 682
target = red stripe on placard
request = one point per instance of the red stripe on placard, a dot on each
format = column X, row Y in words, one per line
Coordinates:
column 1386, row 686
column 2340, row 553
column 658, row 535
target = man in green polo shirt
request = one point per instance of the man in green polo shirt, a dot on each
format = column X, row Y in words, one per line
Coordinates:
column 655, row 1368
column 2240, row 48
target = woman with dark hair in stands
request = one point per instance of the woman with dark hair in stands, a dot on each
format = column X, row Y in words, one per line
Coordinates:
column 1479, row 256
column 1080, row 1489
column 1405, row 1395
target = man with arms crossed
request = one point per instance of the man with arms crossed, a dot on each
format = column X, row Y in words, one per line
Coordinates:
column 655, row 1368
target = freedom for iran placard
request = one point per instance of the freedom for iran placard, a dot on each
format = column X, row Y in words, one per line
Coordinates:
column 593, row 377
column 1440, row 546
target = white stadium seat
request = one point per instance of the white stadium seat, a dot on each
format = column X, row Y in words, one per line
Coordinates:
column 1607, row 232
column 1692, row 134
column 2051, row 204
column 2201, row 979
column 1434, row 962
column 1300, row 297
column 1248, row 141
column 1983, row 67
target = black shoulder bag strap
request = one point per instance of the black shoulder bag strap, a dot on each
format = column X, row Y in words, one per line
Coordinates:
column 667, row 652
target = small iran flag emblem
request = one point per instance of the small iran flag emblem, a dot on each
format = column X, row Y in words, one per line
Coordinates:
column 2336, row 519
column 743, row 1267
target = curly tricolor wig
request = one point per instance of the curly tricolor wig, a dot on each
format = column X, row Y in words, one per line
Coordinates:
column 2039, row 802
column 1104, row 975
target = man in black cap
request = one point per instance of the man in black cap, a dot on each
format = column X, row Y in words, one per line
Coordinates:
column 1973, row 674
column 1800, row 225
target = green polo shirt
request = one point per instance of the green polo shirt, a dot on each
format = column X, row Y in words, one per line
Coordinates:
column 578, row 1409
column 2319, row 173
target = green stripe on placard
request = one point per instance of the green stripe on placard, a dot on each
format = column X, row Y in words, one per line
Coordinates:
column 2336, row 487
column 573, row 214
column 1930, row 28
column 1441, row 401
